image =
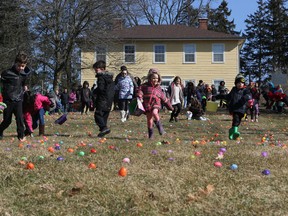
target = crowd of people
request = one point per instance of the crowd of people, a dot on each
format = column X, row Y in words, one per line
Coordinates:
column 109, row 93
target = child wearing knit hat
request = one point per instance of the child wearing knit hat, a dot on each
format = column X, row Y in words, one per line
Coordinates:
column 238, row 98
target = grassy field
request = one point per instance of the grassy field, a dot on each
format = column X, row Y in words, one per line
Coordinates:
column 169, row 175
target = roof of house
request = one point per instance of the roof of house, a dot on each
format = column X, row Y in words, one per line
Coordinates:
column 172, row 32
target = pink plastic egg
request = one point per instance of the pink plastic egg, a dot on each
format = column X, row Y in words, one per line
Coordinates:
column 218, row 164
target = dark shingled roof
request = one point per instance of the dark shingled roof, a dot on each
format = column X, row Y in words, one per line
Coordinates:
column 172, row 32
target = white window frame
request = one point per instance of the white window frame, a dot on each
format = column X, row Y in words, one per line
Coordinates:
column 129, row 54
column 98, row 54
column 162, row 54
column 216, row 82
column 186, row 51
column 168, row 80
column 218, row 50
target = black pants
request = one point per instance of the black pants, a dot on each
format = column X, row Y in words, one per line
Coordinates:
column 16, row 109
column 176, row 111
column 101, row 118
column 237, row 119
column 123, row 104
column 85, row 104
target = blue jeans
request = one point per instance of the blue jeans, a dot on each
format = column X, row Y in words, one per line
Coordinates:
column 39, row 116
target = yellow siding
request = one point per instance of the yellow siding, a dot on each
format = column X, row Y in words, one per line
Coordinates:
column 203, row 69
column 87, row 72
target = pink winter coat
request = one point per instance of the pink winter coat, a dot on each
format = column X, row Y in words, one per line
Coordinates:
column 41, row 101
column 152, row 97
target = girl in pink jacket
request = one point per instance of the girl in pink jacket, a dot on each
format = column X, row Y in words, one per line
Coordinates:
column 33, row 111
column 152, row 96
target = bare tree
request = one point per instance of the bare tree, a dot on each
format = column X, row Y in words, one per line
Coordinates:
column 56, row 27
column 14, row 34
column 157, row 12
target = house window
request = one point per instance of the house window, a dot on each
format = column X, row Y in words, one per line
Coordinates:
column 159, row 53
column 218, row 53
column 166, row 81
column 216, row 82
column 100, row 53
column 129, row 51
column 189, row 53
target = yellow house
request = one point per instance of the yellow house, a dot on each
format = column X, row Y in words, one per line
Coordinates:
column 176, row 50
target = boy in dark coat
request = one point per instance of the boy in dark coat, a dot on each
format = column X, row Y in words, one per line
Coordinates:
column 104, row 96
column 237, row 99
column 13, row 81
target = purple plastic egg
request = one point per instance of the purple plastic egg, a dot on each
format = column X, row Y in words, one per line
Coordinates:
column 264, row 154
column 266, row 172
column 222, row 150
column 60, row 158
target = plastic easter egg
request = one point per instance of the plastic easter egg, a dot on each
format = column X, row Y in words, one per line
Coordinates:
column 21, row 162
column 218, row 164
column 81, row 153
column 171, row 159
column 93, row 150
column 197, row 153
column 222, row 150
column 70, row 150
column 51, row 149
column 24, row 158
column 92, row 166
column 61, row 142
column 266, row 172
column 139, row 145
column 30, row 166
column 60, row 158
column 154, row 152
column 233, row 167
column 57, row 147
column 41, row 157
column 264, row 154
column 126, row 160
column 122, row 172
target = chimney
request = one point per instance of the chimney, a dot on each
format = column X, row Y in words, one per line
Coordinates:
column 203, row 23
column 117, row 24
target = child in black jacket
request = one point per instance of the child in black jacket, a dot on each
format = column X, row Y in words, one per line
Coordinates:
column 237, row 99
column 104, row 96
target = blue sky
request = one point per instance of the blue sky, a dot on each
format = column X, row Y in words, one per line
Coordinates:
column 240, row 10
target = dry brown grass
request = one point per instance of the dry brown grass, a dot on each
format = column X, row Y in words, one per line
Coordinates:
column 172, row 182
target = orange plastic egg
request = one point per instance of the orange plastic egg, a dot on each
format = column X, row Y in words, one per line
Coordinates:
column 139, row 144
column 22, row 162
column 122, row 172
column 70, row 150
column 30, row 166
column 51, row 149
column 92, row 166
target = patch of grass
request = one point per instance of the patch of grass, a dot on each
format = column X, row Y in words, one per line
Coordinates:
column 165, row 177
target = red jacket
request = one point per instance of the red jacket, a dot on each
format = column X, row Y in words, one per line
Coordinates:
column 152, row 97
